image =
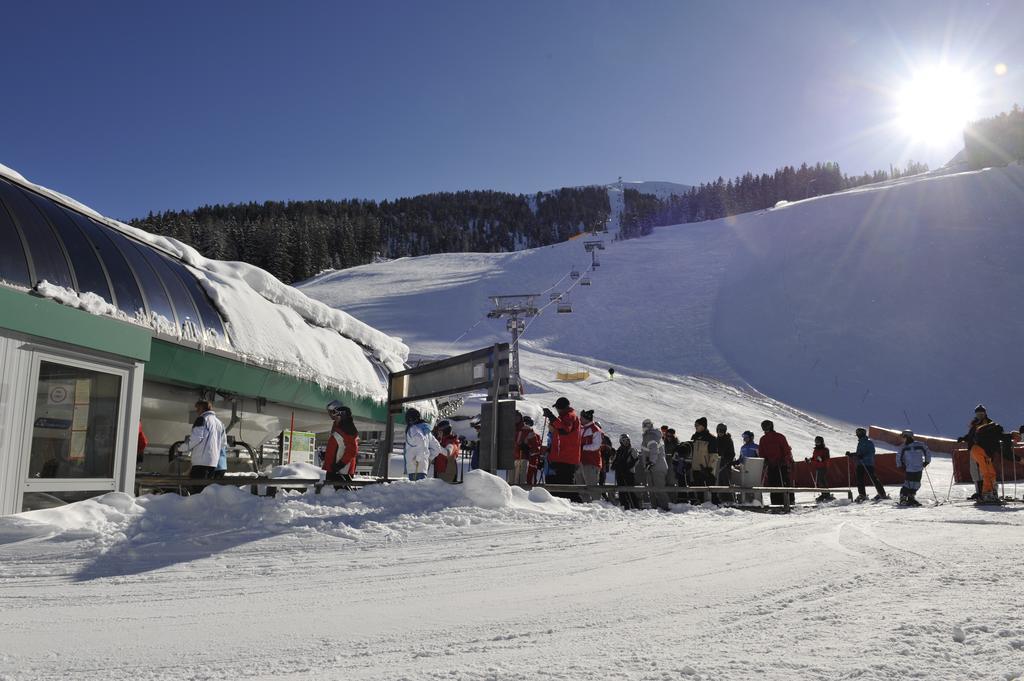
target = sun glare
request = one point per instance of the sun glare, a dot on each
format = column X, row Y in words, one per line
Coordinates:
column 936, row 103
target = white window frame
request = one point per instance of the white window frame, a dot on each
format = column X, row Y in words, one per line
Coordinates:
column 72, row 484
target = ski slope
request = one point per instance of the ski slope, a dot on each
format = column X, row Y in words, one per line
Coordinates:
column 892, row 304
column 425, row 581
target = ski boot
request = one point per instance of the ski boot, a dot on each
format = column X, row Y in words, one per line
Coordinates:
column 990, row 499
column 861, row 498
column 881, row 497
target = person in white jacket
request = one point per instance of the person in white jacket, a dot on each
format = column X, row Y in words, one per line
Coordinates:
column 205, row 442
column 913, row 457
column 652, row 457
column 420, row 445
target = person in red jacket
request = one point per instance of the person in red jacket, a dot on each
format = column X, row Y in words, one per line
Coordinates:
column 527, row 451
column 818, row 464
column 591, row 438
column 565, row 442
column 343, row 445
column 778, row 460
column 446, row 463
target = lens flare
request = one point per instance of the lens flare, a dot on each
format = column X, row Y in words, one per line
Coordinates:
column 936, row 103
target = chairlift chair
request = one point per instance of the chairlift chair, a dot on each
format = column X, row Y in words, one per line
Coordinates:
column 564, row 308
column 574, row 274
column 555, row 296
column 585, row 281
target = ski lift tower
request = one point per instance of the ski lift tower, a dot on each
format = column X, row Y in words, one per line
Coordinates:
column 592, row 248
column 516, row 309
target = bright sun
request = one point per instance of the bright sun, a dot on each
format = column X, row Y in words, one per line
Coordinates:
column 936, row 103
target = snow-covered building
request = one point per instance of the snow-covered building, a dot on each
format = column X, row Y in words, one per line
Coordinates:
column 104, row 327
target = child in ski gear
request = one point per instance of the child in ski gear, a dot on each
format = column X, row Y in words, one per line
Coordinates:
column 749, row 448
column 819, row 468
column 624, row 465
column 865, row 458
column 474, row 445
column 343, row 445
column 913, row 457
column 527, row 451
column 591, row 437
column 566, row 447
column 446, row 463
column 778, row 460
column 607, row 452
column 420, row 445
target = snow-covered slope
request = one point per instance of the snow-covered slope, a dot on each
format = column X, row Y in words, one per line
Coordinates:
column 894, row 303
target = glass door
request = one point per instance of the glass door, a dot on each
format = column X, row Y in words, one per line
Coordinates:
column 76, row 431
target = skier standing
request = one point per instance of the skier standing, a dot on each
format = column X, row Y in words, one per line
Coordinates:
column 748, row 450
column 205, row 442
column 624, row 465
column 343, row 445
column 865, row 456
column 913, row 457
column 591, row 437
column 655, row 467
column 564, row 455
column 980, row 418
column 726, row 450
column 778, row 460
column 527, row 445
column 703, row 464
column 420, row 445
column 818, row 464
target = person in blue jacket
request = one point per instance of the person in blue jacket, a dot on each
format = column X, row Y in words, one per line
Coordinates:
column 865, row 457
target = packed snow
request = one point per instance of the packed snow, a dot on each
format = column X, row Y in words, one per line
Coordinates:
column 269, row 323
column 482, row 581
column 892, row 304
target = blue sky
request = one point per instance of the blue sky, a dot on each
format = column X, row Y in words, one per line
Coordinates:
column 139, row 106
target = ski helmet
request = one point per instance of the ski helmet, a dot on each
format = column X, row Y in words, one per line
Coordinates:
column 748, row 435
column 981, row 409
column 561, row 403
column 861, row 432
column 528, row 422
column 333, row 407
column 908, row 434
column 647, row 424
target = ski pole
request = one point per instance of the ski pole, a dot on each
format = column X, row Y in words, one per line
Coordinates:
column 929, row 478
column 952, row 474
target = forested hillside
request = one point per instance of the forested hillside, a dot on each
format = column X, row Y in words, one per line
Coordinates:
column 294, row 240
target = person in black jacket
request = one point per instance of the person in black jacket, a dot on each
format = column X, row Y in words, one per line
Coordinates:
column 701, row 473
column 624, row 465
column 726, row 455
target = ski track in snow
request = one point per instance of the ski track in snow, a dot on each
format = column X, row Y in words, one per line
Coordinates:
column 422, row 582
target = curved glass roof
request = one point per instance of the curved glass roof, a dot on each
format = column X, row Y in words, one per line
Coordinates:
column 44, row 240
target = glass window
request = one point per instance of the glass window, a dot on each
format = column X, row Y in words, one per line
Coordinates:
column 13, row 265
column 187, row 312
column 126, row 289
column 44, row 248
column 156, row 295
column 88, row 270
column 35, row 501
column 210, row 316
column 74, row 433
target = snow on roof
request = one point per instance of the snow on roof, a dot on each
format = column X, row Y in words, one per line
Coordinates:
column 270, row 323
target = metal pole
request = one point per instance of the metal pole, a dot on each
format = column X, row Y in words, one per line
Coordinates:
column 384, row 454
column 495, row 387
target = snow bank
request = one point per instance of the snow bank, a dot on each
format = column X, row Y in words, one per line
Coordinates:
column 269, row 323
column 396, row 510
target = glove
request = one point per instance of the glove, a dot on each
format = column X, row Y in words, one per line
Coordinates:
column 548, row 414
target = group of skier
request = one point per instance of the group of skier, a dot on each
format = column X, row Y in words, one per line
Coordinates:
column 572, row 448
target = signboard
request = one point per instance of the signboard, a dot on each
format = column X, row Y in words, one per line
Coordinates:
column 298, row 447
